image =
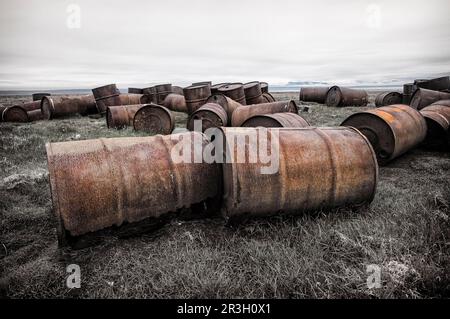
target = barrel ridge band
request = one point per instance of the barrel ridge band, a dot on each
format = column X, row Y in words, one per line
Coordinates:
column 106, row 97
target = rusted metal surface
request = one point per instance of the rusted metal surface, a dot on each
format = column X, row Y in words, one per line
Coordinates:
column 177, row 90
column 340, row 96
column 154, row 119
column 162, row 90
column 424, row 97
column 35, row 115
column 285, row 119
column 438, row 127
column 244, row 112
column 105, row 182
column 437, row 84
column 226, row 103
column 215, row 87
column 196, row 96
column 176, row 102
column 388, row 98
column 30, row 106
column 392, row 130
column 268, row 98
column 149, row 90
column 14, row 114
column 408, row 91
column 234, row 91
column 131, row 99
column 314, row 94
column 442, row 102
column 319, row 168
column 39, row 96
column 211, row 115
column 264, row 87
column 150, row 95
column 59, row 106
column 135, row 91
column 107, row 95
column 121, row 116
column 253, row 93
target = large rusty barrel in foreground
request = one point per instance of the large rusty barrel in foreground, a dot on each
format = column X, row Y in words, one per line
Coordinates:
column 154, row 119
column 135, row 91
column 438, row 127
column 162, row 90
column 35, row 115
column 437, row 84
column 392, row 130
column 268, row 98
column 215, row 87
column 340, row 96
column 100, row 183
column 39, row 96
column 14, row 113
column 107, row 95
column 388, row 98
column 408, row 91
column 210, row 115
column 175, row 102
column 121, row 116
column 196, row 96
column 264, row 87
column 244, row 112
column 229, row 105
column 314, row 94
column 253, row 93
column 285, row 119
column 424, row 97
column 59, row 106
column 234, row 91
column 309, row 169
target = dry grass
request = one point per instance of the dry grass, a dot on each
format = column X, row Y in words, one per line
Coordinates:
column 320, row 255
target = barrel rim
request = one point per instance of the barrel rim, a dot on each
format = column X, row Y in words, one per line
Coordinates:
column 5, row 111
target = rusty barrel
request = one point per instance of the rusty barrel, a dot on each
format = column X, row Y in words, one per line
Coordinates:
column 408, row 91
column 438, row 127
column 196, row 96
column 392, row 130
column 175, row 102
column 162, row 90
column 154, row 119
column 310, row 169
column 424, row 97
column 215, row 87
column 268, row 98
column 244, row 112
column 226, row 103
column 150, row 94
column 35, row 115
column 59, row 106
column 39, row 96
column 100, row 183
column 121, row 116
column 210, row 115
column 107, row 95
column 177, row 90
column 340, row 96
column 314, row 94
column 31, row 106
column 437, row 84
column 264, row 87
column 253, row 93
column 15, row 113
column 388, row 98
column 285, row 119
column 234, row 91
column 131, row 99
column 135, row 91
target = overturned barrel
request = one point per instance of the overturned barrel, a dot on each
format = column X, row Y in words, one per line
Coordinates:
column 268, row 98
column 285, row 119
column 196, row 96
column 210, row 115
column 107, row 95
column 424, row 97
column 438, row 127
column 154, row 119
column 388, row 98
column 264, row 87
column 215, row 87
column 59, row 106
column 340, row 96
column 162, row 90
column 253, row 93
column 314, row 94
column 39, row 96
column 234, row 91
column 244, row 112
column 135, row 91
column 14, row 113
column 35, row 115
column 337, row 167
column 408, row 91
column 175, row 102
column 437, row 84
column 121, row 116
column 229, row 105
column 392, row 130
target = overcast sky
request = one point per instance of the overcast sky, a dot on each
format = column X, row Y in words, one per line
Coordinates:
column 139, row 43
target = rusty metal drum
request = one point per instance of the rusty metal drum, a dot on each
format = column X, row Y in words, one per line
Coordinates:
column 150, row 95
column 196, row 96
column 35, row 115
column 234, row 91
column 264, row 87
column 131, row 99
column 135, row 91
column 162, row 90
column 14, row 113
column 39, row 96
column 438, row 127
column 215, row 87
column 337, row 168
column 285, row 119
column 121, row 116
column 154, row 119
column 31, row 106
column 226, row 103
column 244, row 112
column 424, row 97
column 437, row 84
column 175, row 102
column 314, row 94
column 253, row 93
column 392, row 130
column 210, row 115
column 268, row 98
column 408, row 91
column 59, row 106
column 388, row 98
column 107, row 95
column 340, row 96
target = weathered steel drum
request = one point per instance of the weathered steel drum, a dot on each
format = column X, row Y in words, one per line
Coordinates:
column 268, row 98
column 154, row 119
column 229, row 105
column 150, row 95
column 175, row 102
column 388, row 98
column 424, row 97
column 35, row 115
column 211, row 115
column 215, row 87
column 319, row 168
column 162, row 90
column 177, row 90
column 264, row 87
column 135, row 91
column 196, row 96
column 131, row 99
column 408, row 91
column 121, row 116
column 438, row 127
column 437, row 84
column 39, row 96
column 234, row 91
column 99, row 183
column 31, row 106
column 105, row 96
column 59, row 106
column 314, row 94
column 340, row 96
column 14, row 113
column 253, row 93
column 244, row 112
column 392, row 130
column 285, row 119
column 149, row 90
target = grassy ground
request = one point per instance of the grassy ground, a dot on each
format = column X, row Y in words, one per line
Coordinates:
column 405, row 231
